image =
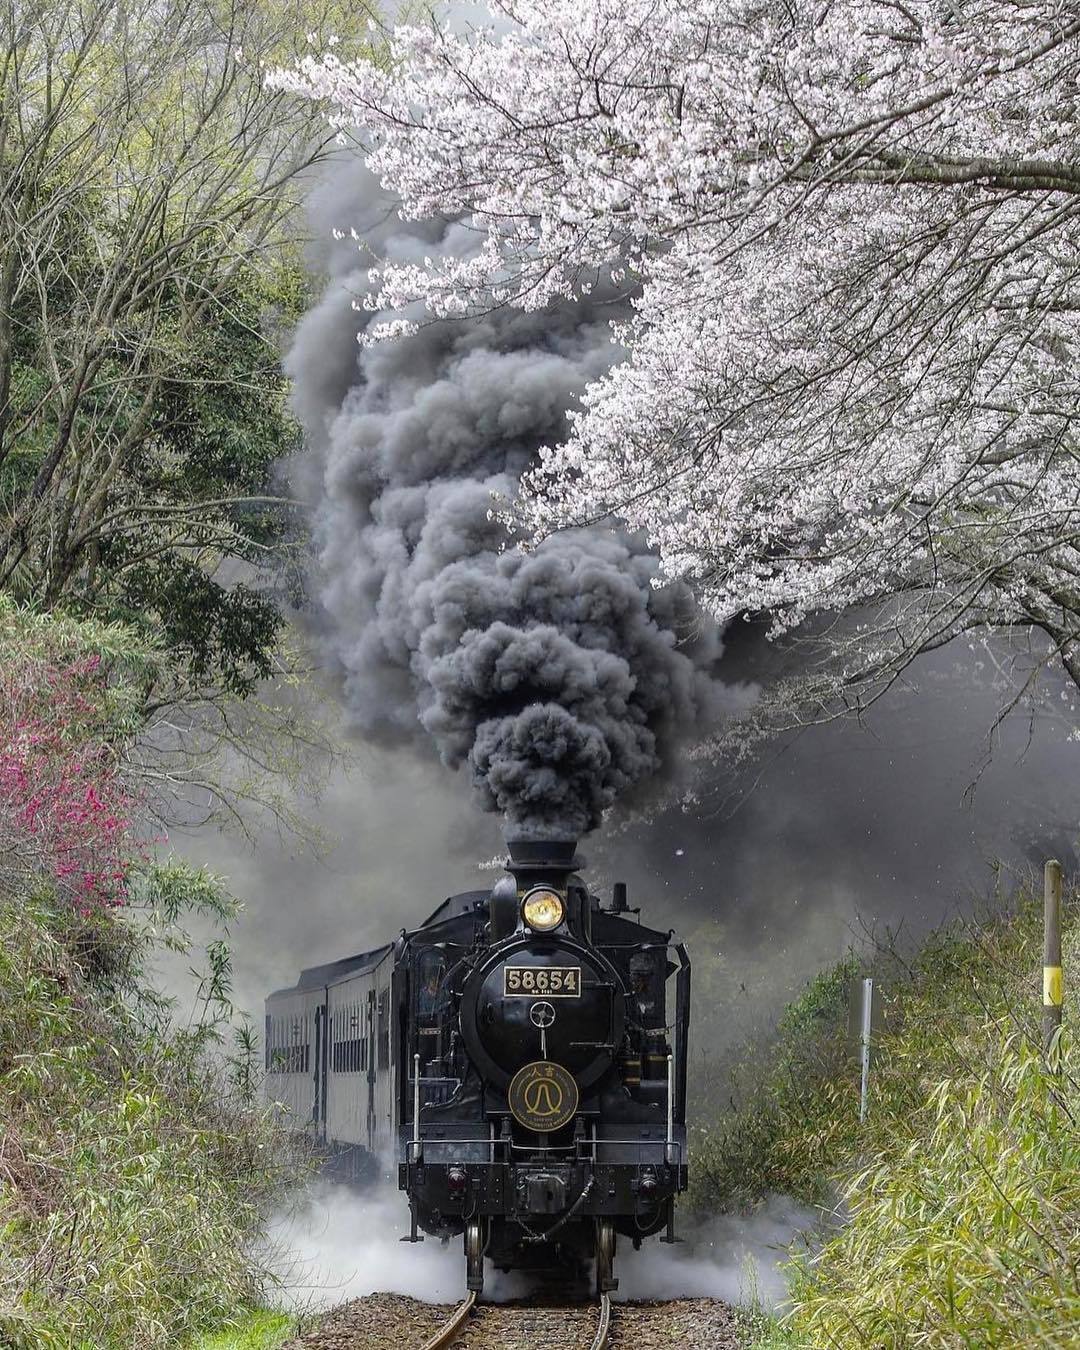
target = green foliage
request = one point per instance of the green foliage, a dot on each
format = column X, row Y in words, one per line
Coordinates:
column 762, row 1331
column 220, row 425
column 132, row 658
column 194, row 486
column 965, row 1229
column 797, row 1090
column 259, row 1329
column 220, row 634
column 962, row 1188
column 151, row 259
column 134, row 1176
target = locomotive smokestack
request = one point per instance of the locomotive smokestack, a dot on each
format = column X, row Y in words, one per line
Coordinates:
column 542, row 860
column 526, row 853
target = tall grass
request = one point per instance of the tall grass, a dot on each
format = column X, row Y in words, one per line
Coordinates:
column 961, row 1191
column 135, row 1166
column 134, row 1172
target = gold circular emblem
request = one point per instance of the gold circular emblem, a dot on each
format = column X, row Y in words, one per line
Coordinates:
column 543, row 1096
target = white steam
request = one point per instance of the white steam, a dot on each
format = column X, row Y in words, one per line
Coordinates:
column 340, row 1244
column 735, row 1257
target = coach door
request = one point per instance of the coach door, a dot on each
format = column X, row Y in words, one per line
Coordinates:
column 372, row 1067
column 321, row 1059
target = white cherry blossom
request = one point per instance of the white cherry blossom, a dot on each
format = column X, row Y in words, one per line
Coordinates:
column 852, row 234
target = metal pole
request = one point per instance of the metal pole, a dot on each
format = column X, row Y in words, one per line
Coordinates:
column 864, row 1045
column 416, row 1108
column 1053, row 981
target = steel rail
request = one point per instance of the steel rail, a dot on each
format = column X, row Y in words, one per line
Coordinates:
column 600, row 1340
column 448, row 1331
column 450, row 1328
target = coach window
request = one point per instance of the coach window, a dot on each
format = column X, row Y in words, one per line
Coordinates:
column 297, row 1047
column 353, row 1064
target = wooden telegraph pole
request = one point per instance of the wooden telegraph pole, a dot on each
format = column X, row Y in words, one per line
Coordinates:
column 1053, row 984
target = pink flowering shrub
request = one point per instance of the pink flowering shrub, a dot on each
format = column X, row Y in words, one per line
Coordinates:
column 66, row 812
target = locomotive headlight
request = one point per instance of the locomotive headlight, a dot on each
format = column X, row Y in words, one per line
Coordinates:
column 542, row 910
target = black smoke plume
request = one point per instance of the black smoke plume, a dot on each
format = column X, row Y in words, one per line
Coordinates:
column 564, row 678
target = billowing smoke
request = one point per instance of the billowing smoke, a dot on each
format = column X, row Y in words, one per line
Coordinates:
column 564, row 678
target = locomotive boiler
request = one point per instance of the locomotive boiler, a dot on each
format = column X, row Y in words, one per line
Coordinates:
column 520, row 1058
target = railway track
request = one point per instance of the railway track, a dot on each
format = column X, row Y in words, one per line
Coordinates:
column 447, row 1333
column 400, row 1322
column 505, row 1325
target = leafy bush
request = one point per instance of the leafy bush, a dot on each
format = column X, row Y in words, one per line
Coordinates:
column 136, row 1168
column 965, row 1200
column 795, row 1090
column 67, row 706
column 134, row 1172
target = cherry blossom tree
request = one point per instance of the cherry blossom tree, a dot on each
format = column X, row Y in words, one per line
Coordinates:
column 851, row 233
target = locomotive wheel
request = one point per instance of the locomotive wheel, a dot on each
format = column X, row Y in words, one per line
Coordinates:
column 474, row 1256
column 605, row 1257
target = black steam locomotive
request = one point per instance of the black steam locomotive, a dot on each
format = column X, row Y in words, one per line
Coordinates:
column 519, row 1058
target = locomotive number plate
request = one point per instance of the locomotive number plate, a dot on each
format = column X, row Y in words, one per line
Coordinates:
column 551, row 981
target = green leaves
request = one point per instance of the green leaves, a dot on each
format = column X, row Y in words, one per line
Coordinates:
column 148, row 266
column 135, row 1175
column 961, row 1189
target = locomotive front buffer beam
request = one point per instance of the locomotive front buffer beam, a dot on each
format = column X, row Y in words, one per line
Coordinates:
column 638, row 1179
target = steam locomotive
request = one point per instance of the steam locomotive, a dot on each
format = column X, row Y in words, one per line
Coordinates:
column 521, row 1057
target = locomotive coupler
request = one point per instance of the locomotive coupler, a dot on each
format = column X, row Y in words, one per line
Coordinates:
column 545, row 1193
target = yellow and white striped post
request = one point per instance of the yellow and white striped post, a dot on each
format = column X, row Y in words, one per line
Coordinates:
column 1053, row 981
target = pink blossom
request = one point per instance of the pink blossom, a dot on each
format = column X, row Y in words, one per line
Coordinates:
column 62, row 792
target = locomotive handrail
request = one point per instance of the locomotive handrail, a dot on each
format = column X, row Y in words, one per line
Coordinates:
column 670, row 1145
column 579, row 1150
column 417, row 1146
column 458, row 1139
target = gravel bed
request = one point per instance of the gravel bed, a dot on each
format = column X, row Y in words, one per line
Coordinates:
column 697, row 1323
column 394, row 1322
column 380, row 1321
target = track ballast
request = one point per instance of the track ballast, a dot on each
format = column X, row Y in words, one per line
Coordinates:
column 396, row 1322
